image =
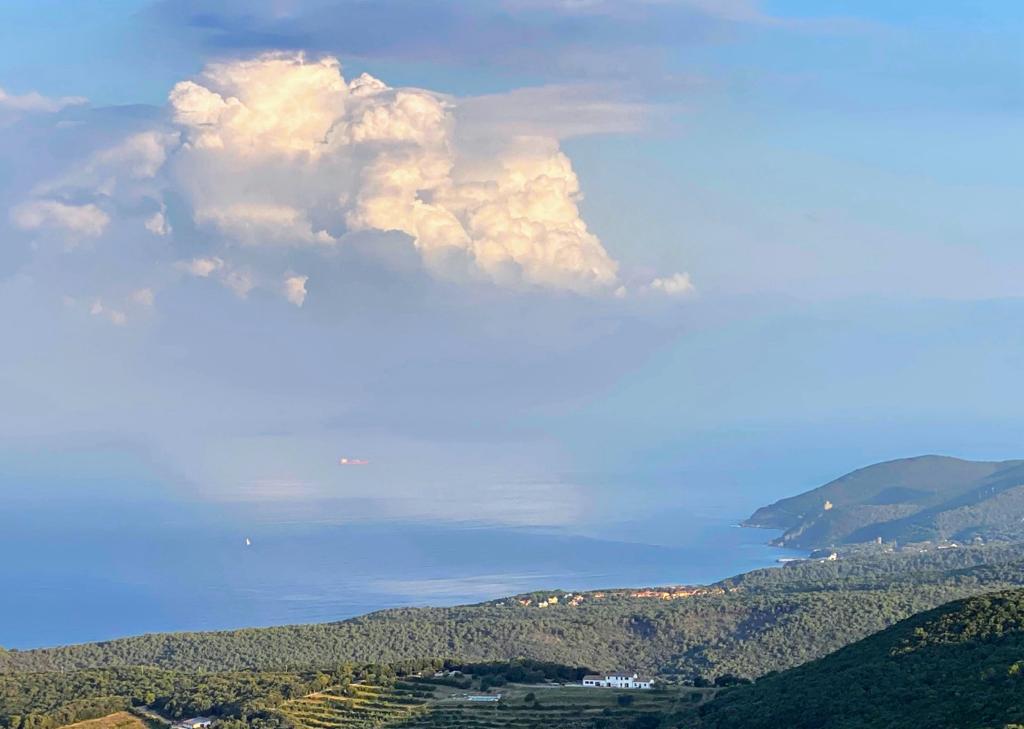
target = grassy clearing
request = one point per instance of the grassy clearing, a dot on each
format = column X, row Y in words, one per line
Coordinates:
column 119, row 720
column 447, row 708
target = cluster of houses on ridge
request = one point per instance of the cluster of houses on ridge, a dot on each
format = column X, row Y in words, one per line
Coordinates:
column 676, row 593
column 569, row 599
column 620, row 679
column 576, row 599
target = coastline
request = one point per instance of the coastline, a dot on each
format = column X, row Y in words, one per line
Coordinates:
column 300, row 575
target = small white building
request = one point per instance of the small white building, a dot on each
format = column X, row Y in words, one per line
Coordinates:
column 620, row 679
column 199, row 722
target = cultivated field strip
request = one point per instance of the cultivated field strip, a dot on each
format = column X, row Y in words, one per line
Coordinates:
column 361, row 706
column 372, row 707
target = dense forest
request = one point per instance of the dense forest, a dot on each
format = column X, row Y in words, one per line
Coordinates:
column 50, row 699
column 960, row 665
column 762, row 621
column 742, row 628
column 42, row 700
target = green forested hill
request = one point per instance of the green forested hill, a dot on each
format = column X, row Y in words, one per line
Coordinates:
column 51, row 699
column 30, row 700
column 929, row 498
column 758, row 622
column 532, row 696
column 960, row 665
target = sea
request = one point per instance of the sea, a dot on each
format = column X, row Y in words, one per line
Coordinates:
column 147, row 568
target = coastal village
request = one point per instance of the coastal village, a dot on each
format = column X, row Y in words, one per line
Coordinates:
column 571, row 599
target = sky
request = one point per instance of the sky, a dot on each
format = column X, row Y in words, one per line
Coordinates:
column 566, row 263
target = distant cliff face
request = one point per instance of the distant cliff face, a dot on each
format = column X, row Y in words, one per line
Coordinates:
column 923, row 499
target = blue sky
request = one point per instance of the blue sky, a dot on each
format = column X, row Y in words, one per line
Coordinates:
column 839, row 181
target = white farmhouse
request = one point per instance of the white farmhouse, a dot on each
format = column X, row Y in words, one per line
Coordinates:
column 199, row 722
column 620, row 679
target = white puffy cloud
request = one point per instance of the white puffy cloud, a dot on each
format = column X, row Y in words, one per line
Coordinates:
column 280, row 150
column 678, row 284
column 143, row 297
column 157, row 223
column 124, row 171
column 115, row 313
column 78, row 220
column 277, row 158
column 36, row 102
column 239, row 281
column 262, row 223
column 273, row 103
column 114, row 316
column 525, row 213
column 141, row 155
column 295, row 289
column 201, row 267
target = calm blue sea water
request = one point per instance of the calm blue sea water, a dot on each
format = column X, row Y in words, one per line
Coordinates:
column 146, row 568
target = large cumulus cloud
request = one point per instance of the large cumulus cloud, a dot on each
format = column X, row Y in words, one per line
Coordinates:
column 314, row 156
column 260, row 165
column 282, row 250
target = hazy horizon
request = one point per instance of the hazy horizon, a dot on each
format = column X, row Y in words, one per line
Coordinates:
column 587, row 269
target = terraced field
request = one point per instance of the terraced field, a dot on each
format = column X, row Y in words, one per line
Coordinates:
column 520, row 707
column 361, row 706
